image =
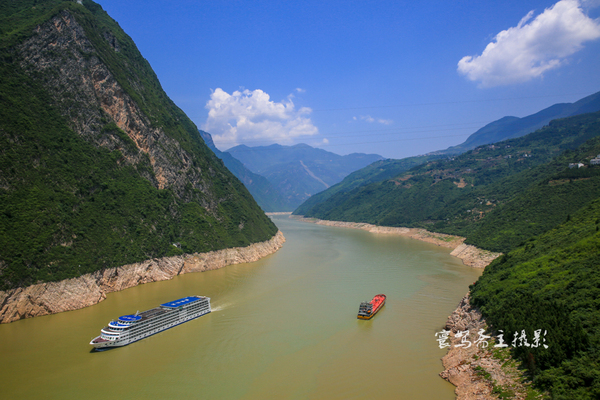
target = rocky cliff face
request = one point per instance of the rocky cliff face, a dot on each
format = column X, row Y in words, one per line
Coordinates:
column 88, row 95
column 90, row 289
column 104, row 169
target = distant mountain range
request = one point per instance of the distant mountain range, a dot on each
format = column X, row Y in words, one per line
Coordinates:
column 513, row 127
column 281, row 177
column 265, row 194
column 502, row 129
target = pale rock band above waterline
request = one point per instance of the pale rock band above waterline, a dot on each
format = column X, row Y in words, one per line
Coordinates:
column 470, row 255
column 86, row 290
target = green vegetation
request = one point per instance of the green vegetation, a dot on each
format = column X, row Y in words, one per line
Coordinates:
column 513, row 127
column 551, row 283
column 375, row 172
column 500, row 130
column 70, row 207
column 497, row 195
column 519, row 197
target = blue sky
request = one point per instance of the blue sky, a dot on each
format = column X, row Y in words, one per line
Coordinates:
column 388, row 77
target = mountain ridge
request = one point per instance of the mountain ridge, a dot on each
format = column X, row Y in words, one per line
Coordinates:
column 99, row 167
column 502, row 129
column 297, row 172
column 511, row 127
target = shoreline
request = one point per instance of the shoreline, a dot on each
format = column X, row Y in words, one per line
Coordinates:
column 477, row 373
column 468, row 254
column 89, row 289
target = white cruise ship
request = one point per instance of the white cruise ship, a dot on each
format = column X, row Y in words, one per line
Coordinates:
column 131, row 328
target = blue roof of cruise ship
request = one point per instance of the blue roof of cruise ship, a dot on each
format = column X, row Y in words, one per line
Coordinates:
column 180, row 302
column 129, row 318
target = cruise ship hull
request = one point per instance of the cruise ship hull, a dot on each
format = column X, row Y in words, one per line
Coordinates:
column 131, row 328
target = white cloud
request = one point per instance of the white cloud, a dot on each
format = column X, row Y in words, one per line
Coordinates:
column 252, row 116
column 300, row 90
column 370, row 119
column 533, row 47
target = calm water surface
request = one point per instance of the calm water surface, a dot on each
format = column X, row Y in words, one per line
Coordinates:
column 284, row 327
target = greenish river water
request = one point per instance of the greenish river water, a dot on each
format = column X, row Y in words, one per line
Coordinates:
column 284, row 327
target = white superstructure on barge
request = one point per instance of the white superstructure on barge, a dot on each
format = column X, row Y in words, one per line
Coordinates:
column 131, row 328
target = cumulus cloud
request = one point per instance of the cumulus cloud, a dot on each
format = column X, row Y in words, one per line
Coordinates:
column 534, row 46
column 253, row 116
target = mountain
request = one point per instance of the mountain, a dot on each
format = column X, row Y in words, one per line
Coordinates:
column 378, row 171
column 496, row 195
column 513, row 127
column 551, row 283
column 98, row 167
column 502, row 129
column 299, row 171
column 267, row 196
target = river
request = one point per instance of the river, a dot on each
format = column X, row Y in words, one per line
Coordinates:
column 284, row 327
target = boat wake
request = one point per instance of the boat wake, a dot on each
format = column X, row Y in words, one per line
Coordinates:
column 219, row 307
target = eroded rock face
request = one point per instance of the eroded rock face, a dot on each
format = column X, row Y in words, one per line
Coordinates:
column 90, row 289
column 474, row 257
column 474, row 369
column 89, row 96
column 458, row 362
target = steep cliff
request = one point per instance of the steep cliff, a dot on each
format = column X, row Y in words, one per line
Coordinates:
column 98, row 167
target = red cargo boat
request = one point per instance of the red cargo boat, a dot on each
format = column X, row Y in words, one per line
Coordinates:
column 369, row 308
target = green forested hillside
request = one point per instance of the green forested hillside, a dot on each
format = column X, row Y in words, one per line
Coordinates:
column 556, row 192
column 457, row 195
column 500, row 130
column 551, row 283
column 98, row 167
column 375, row 172
column 513, row 127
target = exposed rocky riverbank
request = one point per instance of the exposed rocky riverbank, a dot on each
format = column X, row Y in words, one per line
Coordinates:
column 90, row 289
column 470, row 255
column 478, row 371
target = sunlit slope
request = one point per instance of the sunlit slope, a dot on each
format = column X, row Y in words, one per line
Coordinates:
column 500, row 130
column 99, row 168
column 375, row 172
column 551, row 283
column 500, row 182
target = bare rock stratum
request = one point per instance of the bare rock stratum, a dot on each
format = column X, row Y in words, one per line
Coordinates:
column 90, row 289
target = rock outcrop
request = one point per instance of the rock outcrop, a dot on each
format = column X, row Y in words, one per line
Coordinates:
column 95, row 95
column 105, row 170
column 475, row 370
column 90, row 289
column 473, row 256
